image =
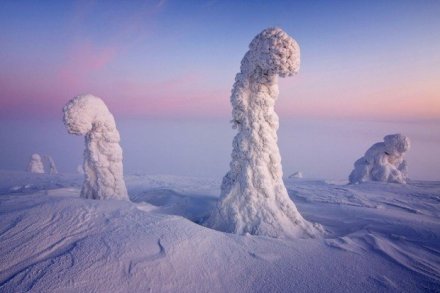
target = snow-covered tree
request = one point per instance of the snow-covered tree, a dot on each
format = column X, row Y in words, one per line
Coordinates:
column 384, row 161
column 297, row 174
column 89, row 116
column 52, row 167
column 35, row 164
column 253, row 196
column 79, row 169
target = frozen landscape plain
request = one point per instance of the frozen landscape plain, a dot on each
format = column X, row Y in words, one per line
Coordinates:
column 380, row 237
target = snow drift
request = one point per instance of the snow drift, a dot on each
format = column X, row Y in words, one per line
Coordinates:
column 253, row 196
column 383, row 161
column 380, row 238
column 88, row 115
column 35, row 164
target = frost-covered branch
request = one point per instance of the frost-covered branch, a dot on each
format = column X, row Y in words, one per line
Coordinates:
column 383, row 161
column 88, row 115
column 253, row 196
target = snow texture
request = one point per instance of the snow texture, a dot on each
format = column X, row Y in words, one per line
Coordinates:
column 253, row 197
column 380, row 238
column 88, row 115
column 384, row 161
column 52, row 167
column 35, row 164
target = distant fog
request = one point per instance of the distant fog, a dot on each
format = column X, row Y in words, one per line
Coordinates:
column 320, row 149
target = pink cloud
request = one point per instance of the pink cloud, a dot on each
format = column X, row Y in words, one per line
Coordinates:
column 83, row 60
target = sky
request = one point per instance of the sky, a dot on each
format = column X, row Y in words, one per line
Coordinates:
column 374, row 60
column 165, row 69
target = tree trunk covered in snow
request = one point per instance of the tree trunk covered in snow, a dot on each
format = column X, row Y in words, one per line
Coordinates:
column 104, row 178
column 253, row 196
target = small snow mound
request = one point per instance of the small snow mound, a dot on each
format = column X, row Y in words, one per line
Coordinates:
column 89, row 116
column 384, row 161
column 35, row 164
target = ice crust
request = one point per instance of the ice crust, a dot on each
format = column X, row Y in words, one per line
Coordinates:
column 89, row 116
column 253, row 197
column 384, row 161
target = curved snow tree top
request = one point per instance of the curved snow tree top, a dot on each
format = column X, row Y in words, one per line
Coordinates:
column 253, row 196
column 89, row 116
column 271, row 53
column 35, row 164
column 384, row 161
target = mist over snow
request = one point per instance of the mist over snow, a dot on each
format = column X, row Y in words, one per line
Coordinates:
column 319, row 148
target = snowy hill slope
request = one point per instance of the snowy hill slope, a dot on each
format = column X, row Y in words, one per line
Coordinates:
column 380, row 237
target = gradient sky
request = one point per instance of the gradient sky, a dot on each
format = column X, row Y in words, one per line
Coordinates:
column 177, row 59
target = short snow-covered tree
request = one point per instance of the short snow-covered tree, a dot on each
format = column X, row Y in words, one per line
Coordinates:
column 297, row 174
column 253, row 197
column 52, row 167
column 35, row 164
column 89, row 116
column 384, row 161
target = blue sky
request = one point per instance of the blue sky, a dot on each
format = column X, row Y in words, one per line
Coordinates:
column 156, row 58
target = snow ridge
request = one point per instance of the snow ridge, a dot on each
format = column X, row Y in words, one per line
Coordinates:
column 253, row 196
column 89, row 116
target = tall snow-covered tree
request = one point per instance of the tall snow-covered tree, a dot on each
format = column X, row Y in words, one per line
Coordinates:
column 89, row 116
column 253, row 196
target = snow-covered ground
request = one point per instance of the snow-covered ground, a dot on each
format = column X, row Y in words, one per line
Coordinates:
column 380, row 237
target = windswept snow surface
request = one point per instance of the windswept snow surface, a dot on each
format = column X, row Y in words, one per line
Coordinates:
column 380, row 237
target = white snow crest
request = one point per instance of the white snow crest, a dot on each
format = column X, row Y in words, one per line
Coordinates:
column 253, row 196
column 384, row 161
column 35, row 164
column 89, row 116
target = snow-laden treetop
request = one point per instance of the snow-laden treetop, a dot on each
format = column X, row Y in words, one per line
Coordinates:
column 272, row 52
column 396, row 144
column 85, row 112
